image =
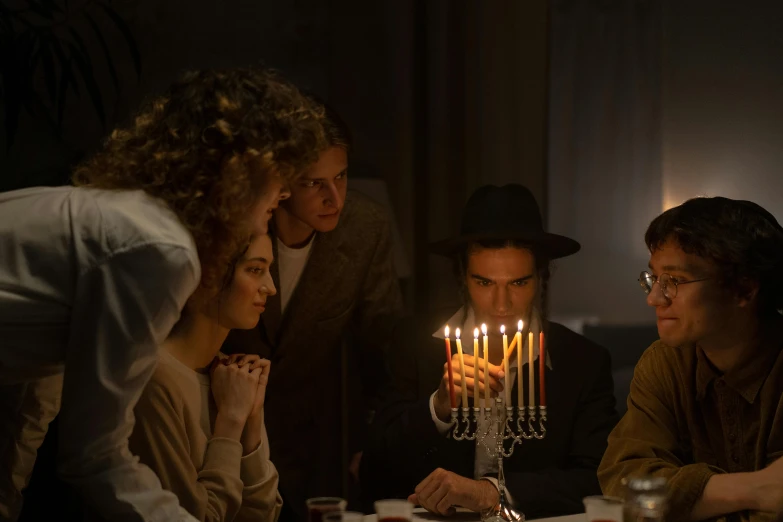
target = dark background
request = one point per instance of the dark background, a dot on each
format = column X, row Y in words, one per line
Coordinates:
column 609, row 110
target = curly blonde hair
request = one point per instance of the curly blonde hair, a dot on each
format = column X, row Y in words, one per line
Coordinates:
column 207, row 148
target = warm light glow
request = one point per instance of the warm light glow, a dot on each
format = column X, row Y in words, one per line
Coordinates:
column 446, row 331
column 519, row 325
column 475, row 333
column 502, row 329
column 670, row 200
column 484, row 329
column 456, row 333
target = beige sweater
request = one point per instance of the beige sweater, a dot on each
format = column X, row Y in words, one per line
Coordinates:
column 173, row 436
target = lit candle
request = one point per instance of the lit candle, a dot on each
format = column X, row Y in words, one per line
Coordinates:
column 452, row 395
column 506, row 379
column 476, row 368
column 520, row 399
column 486, row 366
column 541, row 367
column 464, row 386
column 531, row 374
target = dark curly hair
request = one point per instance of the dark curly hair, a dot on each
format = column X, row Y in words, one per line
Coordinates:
column 743, row 240
column 543, row 269
column 207, row 148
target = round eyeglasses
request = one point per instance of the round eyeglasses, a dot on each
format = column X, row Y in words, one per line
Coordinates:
column 668, row 283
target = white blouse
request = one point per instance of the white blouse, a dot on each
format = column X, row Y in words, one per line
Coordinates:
column 91, row 283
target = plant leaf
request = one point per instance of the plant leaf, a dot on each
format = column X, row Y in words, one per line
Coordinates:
column 53, row 6
column 16, row 55
column 32, row 63
column 66, row 66
column 12, row 110
column 40, row 10
column 66, row 78
column 22, row 20
column 80, row 42
column 6, row 18
column 12, row 98
column 129, row 39
column 85, row 53
column 25, row 56
column 85, row 68
column 106, row 53
column 36, row 107
column 49, row 71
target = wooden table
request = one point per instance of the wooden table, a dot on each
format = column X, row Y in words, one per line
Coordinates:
column 469, row 516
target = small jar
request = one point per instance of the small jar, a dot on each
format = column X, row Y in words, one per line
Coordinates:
column 646, row 499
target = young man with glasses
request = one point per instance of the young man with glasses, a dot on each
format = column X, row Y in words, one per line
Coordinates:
column 706, row 409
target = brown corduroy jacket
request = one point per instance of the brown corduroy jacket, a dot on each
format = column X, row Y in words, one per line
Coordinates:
column 687, row 422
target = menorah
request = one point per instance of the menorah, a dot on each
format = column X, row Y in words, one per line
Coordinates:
column 512, row 426
column 511, row 429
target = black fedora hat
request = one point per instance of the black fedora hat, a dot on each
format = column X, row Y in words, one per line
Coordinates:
column 509, row 212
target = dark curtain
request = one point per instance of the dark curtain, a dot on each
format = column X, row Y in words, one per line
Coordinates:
column 478, row 116
column 605, row 180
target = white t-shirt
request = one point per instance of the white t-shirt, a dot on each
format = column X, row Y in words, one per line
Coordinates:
column 290, row 265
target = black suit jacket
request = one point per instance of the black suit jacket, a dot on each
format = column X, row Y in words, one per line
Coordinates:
column 546, row 477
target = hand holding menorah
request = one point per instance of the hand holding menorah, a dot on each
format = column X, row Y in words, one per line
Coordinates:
column 497, row 424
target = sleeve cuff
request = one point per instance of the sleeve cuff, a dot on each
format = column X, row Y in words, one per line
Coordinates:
column 688, row 485
column 506, row 492
column 493, row 480
column 223, row 454
column 253, row 466
column 443, row 427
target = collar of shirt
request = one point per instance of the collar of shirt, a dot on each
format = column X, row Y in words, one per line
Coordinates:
column 469, row 324
column 748, row 378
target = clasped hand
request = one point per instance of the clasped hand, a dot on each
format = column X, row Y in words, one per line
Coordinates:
column 238, row 386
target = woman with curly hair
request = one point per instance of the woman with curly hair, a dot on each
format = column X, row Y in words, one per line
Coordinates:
column 93, row 277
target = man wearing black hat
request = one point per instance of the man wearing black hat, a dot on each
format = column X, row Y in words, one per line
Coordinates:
column 502, row 258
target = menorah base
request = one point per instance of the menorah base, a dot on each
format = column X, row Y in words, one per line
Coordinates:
column 502, row 512
column 469, row 428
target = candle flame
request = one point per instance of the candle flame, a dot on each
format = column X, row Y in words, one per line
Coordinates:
column 475, row 333
column 456, row 333
column 446, row 331
column 519, row 325
column 484, row 329
column 503, row 329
